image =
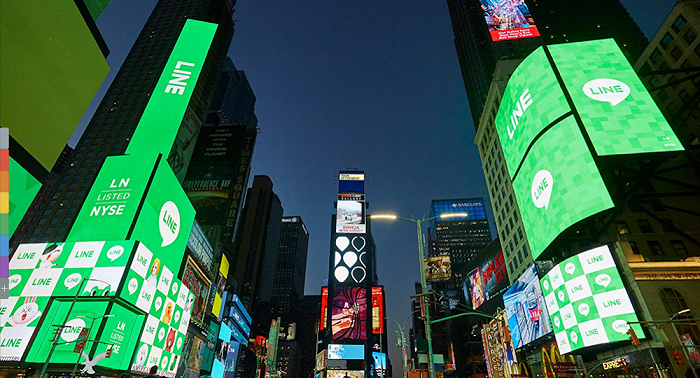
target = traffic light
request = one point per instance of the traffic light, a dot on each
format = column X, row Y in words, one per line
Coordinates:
column 678, row 357
column 633, row 337
column 109, row 352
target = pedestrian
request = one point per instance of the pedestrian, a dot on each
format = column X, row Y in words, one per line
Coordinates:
column 152, row 372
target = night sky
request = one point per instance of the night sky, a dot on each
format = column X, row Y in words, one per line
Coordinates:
column 372, row 85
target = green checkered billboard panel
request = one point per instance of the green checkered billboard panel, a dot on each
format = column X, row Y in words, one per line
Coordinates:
column 588, row 302
column 619, row 114
column 558, row 185
column 532, row 100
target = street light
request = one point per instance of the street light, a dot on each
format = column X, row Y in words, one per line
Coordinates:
column 92, row 323
column 418, row 222
column 403, row 341
column 685, row 352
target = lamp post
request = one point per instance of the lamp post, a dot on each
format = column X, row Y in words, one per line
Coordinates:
column 685, row 352
column 418, row 222
column 54, row 342
column 92, row 324
column 403, row 341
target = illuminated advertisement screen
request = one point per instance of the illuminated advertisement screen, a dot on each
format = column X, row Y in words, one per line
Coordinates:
column 377, row 310
column 166, row 108
column 242, row 319
column 619, row 114
column 349, row 313
column 199, row 287
column 221, row 352
column 350, row 259
column 351, row 181
column 40, row 271
column 527, row 315
column 324, row 306
column 508, row 19
column 379, row 363
column 588, row 302
column 346, row 352
column 531, row 101
column 488, row 279
column 437, row 268
column 345, row 373
column 558, row 185
column 24, row 188
column 234, row 349
column 473, row 207
column 350, row 215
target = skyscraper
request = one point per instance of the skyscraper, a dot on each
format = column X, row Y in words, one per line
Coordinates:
column 290, row 274
column 115, row 119
column 557, row 22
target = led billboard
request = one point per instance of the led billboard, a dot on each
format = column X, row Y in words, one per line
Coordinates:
column 351, row 181
column 350, row 215
column 24, row 188
column 350, row 259
column 324, row 307
column 346, row 352
column 617, row 111
column 377, row 310
column 221, row 352
column 198, row 285
column 588, row 302
column 488, row 279
column 532, row 100
column 527, row 315
column 558, row 185
column 330, row 373
column 508, row 19
column 438, row 268
column 166, row 108
column 349, row 313
column 472, row 207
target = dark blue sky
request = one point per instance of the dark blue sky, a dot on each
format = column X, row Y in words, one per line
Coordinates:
column 373, row 85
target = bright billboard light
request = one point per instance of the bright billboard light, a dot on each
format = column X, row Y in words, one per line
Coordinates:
column 346, row 352
column 350, row 216
column 588, row 302
column 508, row 19
column 527, row 314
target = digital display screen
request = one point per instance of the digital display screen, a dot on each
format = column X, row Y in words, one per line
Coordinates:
column 617, row 111
column 532, row 100
column 349, row 313
column 488, row 280
column 234, row 349
column 508, row 19
column 324, row 306
column 528, row 318
column 588, row 302
column 350, row 259
column 473, row 207
column 379, row 363
column 345, row 373
column 377, row 310
column 350, row 215
column 438, row 268
column 346, row 352
column 558, row 185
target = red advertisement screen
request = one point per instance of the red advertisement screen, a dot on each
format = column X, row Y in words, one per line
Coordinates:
column 508, row 19
column 377, row 310
column 324, row 306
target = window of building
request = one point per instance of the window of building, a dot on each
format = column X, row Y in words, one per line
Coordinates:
column 679, row 247
column 662, row 95
column 684, row 95
column 666, row 41
column 674, row 302
column 54, row 220
column 679, row 24
column 71, row 211
column 62, row 230
column 36, row 231
column 635, row 248
column 667, row 225
column 42, row 221
column 655, row 247
column 622, row 227
column 676, row 53
column 645, row 226
column 655, row 55
column 48, row 211
column 66, row 220
column 690, row 36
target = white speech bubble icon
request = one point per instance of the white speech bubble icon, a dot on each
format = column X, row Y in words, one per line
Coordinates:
column 72, row 329
column 14, row 280
column 603, row 280
column 620, row 326
column 72, row 280
column 574, row 337
column 164, row 363
column 542, row 189
column 545, row 283
column 583, row 309
column 606, row 90
column 570, row 268
column 169, row 223
column 176, row 317
column 158, row 303
column 161, row 334
column 561, row 296
column 133, row 285
column 114, row 252
column 179, row 343
column 173, row 289
column 556, row 321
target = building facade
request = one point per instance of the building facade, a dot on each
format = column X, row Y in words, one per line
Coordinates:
column 290, row 273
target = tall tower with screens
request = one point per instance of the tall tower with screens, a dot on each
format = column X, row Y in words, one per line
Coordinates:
column 353, row 299
column 114, row 122
column 487, row 31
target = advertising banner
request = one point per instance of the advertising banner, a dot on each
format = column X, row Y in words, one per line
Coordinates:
column 508, row 19
column 350, row 259
column 346, row 352
column 501, row 352
column 350, row 216
column 558, row 185
column 324, row 306
column 321, row 360
column 472, row 207
column 345, row 373
column 272, row 345
column 617, row 111
column 494, row 364
column 377, row 310
column 379, row 364
column 489, row 279
column 587, row 301
column 532, row 100
column 351, row 181
column 200, row 247
column 160, row 122
column 690, row 348
column 241, row 317
column 349, row 313
column 528, row 318
column 40, row 271
column 221, row 352
column 234, row 349
column 198, row 285
column 437, row 268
